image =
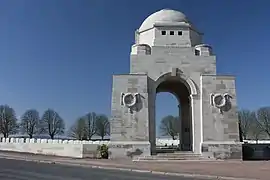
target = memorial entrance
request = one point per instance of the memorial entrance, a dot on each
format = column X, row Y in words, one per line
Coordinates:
column 169, row 56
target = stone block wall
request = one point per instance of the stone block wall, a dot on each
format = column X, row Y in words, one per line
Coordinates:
column 163, row 59
column 129, row 124
column 219, row 126
column 222, row 150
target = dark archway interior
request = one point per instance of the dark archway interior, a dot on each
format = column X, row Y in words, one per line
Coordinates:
column 182, row 93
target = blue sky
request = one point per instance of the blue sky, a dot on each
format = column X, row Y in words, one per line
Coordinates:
column 62, row 54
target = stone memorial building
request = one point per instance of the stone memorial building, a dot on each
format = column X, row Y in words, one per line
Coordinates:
column 170, row 56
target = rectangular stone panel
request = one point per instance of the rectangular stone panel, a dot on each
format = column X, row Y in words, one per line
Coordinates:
column 219, row 124
column 129, row 123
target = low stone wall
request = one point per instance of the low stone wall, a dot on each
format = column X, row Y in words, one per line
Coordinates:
column 168, row 142
column 82, row 149
column 67, row 148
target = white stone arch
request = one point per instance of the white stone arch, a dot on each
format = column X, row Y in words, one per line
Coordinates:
column 195, row 109
column 183, row 78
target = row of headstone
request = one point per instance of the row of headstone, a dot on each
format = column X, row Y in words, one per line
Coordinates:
column 159, row 142
column 257, row 142
column 50, row 141
column 167, row 142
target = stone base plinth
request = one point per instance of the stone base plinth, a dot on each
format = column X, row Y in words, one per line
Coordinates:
column 222, row 150
column 129, row 149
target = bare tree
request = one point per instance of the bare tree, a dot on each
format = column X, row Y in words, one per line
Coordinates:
column 263, row 119
column 52, row 123
column 246, row 118
column 91, row 127
column 8, row 121
column 255, row 131
column 79, row 129
column 103, row 126
column 29, row 122
column 169, row 126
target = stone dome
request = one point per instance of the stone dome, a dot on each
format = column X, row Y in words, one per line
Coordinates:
column 164, row 15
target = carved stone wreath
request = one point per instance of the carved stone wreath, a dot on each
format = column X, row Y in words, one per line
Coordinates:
column 129, row 99
column 220, row 100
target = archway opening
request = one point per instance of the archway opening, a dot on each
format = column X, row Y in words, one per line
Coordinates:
column 178, row 125
column 167, row 114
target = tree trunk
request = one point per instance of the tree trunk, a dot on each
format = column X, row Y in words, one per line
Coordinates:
column 30, row 136
column 90, row 137
column 268, row 133
column 240, row 132
column 52, row 136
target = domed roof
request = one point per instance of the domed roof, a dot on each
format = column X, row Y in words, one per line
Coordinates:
column 164, row 15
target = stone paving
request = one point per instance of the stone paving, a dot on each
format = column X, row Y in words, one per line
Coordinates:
column 238, row 169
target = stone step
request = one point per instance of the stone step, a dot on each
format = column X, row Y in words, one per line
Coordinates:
column 165, row 150
column 180, row 157
column 179, row 153
column 174, row 156
column 149, row 158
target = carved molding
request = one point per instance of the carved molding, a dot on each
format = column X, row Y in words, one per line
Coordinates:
column 194, row 97
column 190, row 83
